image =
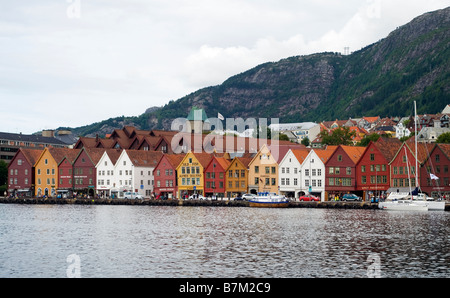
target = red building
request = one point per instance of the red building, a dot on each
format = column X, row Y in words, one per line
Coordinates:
column 65, row 174
column 434, row 174
column 165, row 175
column 403, row 165
column 21, row 172
column 372, row 170
column 84, row 171
column 340, row 171
column 215, row 176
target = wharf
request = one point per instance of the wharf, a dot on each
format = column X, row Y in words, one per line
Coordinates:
column 188, row 203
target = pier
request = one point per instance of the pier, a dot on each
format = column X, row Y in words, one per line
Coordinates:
column 188, row 203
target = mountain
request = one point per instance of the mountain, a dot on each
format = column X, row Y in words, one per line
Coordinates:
column 382, row 79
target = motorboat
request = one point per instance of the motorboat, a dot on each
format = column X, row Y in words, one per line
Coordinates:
column 268, row 200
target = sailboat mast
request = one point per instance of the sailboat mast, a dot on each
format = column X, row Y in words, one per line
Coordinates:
column 415, row 127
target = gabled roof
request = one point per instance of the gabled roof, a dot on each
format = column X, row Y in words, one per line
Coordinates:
column 325, row 154
column 353, row 152
column 31, row 155
column 300, row 154
column 114, row 154
column 142, row 158
column 388, row 147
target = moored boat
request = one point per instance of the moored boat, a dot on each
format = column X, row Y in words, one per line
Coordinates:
column 403, row 206
column 269, row 200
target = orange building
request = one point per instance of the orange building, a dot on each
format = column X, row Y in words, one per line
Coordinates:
column 263, row 172
column 237, row 176
column 46, row 171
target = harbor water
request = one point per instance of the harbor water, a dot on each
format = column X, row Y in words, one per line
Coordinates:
column 191, row 242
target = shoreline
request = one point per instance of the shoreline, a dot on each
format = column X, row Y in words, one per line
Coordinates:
column 188, row 203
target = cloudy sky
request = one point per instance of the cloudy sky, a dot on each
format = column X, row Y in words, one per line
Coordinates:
column 76, row 62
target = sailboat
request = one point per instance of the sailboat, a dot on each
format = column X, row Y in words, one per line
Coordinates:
column 403, row 201
column 397, row 202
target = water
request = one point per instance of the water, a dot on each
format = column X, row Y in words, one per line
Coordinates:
column 179, row 242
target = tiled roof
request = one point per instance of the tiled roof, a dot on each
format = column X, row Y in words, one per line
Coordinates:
column 324, row 154
column 174, row 159
column 114, row 154
column 142, row 158
column 354, row 152
column 31, row 155
column 388, row 147
column 301, row 154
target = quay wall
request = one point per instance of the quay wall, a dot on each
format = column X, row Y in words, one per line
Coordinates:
column 189, row 203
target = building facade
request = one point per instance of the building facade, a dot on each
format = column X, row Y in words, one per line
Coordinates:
column 215, row 177
column 372, row 170
column 190, row 174
column 237, row 176
column 165, row 174
column 434, row 174
column 21, row 172
column 289, row 170
column 313, row 172
column 341, row 171
column 263, row 172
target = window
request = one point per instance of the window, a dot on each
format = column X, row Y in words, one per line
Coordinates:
column 267, row 181
column 339, row 157
column 274, row 181
column 256, row 169
column 267, row 170
column 274, row 170
column 363, row 179
column 349, row 170
column 372, row 157
column 437, row 158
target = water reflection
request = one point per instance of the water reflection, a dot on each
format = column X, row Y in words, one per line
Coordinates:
column 137, row 241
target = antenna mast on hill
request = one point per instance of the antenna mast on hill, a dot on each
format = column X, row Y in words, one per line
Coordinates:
column 347, row 51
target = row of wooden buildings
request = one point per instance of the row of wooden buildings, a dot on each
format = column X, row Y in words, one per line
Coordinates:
column 170, row 165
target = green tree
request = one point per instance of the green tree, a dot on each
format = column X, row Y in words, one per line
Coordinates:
column 3, row 173
column 339, row 136
column 367, row 138
column 306, row 142
column 444, row 138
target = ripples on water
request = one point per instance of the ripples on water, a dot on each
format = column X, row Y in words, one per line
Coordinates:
column 146, row 241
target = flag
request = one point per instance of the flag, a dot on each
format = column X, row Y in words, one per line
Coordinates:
column 220, row 116
column 434, row 177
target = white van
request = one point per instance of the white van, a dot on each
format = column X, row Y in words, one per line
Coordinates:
column 132, row 195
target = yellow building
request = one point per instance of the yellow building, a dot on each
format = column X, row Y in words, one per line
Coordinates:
column 190, row 174
column 263, row 172
column 237, row 176
column 46, row 171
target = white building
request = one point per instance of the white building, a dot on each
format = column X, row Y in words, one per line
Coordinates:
column 106, row 183
column 313, row 172
column 133, row 172
column 401, row 131
column 301, row 131
column 289, row 171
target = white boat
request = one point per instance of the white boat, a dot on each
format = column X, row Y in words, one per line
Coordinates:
column 403, row 205
column 268, row 200
column 419, row 199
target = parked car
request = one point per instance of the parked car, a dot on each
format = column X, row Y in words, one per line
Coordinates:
column 238, row 199
column 196, row 197
column 309, row 198
column 248, row 196
column 132, row 195
column 351, row 197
